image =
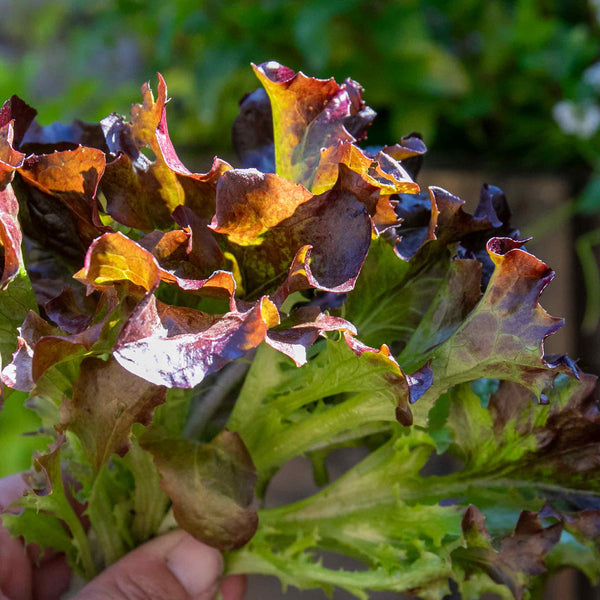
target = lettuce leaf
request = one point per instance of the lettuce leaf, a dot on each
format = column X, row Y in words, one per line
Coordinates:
column 311, row 300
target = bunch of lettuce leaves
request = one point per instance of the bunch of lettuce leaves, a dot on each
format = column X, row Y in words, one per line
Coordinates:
column 182, row 336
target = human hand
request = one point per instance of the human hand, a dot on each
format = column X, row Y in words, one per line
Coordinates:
column 174, row 566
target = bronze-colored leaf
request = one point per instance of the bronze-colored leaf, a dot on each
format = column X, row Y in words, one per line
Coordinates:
column 114, row 259
column 61, row 187
column 504, row 334
column 315, row 125
column 10, row 159
column 249, row 203
column 107, row 400
column 178, row 347
column 211, row 486
column 143, row 193
column 337, row 228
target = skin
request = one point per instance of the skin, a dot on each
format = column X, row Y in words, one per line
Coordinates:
column 171, row 567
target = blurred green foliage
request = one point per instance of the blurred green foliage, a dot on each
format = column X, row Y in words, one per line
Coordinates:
column 475, row 78
column 16, row 426
column 504, row 82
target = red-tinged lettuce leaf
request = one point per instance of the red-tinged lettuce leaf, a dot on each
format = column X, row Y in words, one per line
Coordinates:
column 72, row 310
column 59, row 191
column 17, row 373
column 493, row 206
column 249, row 203
column 503, row 336
column 451, row 222
column 521, row 555
column 16, row 294
column 53, row 349
column 177, row 347
column 252, row 131
column 114, row 259
column 416, row 304
column 10, row 159
column 410, row 152
column 437, row 215
column 308, row 115
column 41, row 346
column 20, row 113
column 301, row 329
column 143, row 193
column 335, row 224
column 211, row 486
column 107, row 400
column 312, row 124
column 504, row 469
column 565, row 433
column 523, row 451
column 203, row 250
column 380, row 170
column 189, row 259
column 381, row 208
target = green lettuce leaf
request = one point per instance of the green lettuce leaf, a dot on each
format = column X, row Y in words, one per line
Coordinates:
column 404, row 524
column 345, row 388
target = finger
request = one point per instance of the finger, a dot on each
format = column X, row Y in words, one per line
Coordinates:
column 233, row 587
column 174, row 566
column 51, row 579
column 15, row 569
column 11, row 489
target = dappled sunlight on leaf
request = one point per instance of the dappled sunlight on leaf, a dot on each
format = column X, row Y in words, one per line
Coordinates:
column 192, row 333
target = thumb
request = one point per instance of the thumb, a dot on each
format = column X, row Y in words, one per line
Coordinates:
column 174, row 566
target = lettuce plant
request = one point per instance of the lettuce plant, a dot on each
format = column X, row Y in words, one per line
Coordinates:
column 182, row 335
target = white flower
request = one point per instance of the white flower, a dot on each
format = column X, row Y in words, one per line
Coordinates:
column 581, row 119
column 591, row 76
column 596, row 6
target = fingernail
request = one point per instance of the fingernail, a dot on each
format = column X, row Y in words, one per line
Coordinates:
column 196, row 566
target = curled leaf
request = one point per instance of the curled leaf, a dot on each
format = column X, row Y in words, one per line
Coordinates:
column 107, row 400
column 249, row 203
column 504, row 334
column 521, row 554
column 211, row 486
column 315, row 125
column 178, row 347
column 141, row 192
column 437, row 215
column 59, row 190
column 301, row 330
column 336, row 226
column 115, row 259
column 18, row 373
column 10, row 159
